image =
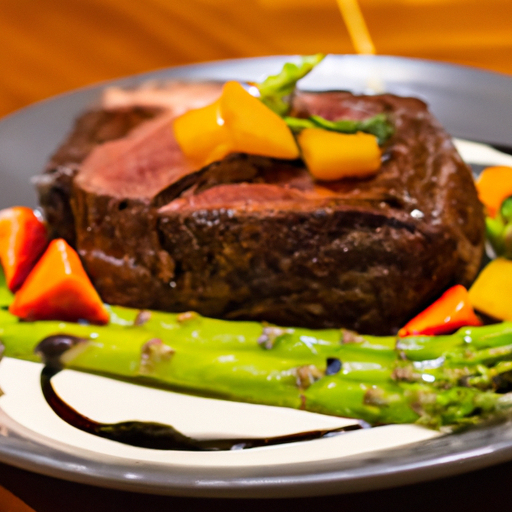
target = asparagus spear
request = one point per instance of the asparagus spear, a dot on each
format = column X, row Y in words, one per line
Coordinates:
column 436, row 381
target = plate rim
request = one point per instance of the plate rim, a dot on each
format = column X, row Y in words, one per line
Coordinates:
column 222, row 62
column 35, row 454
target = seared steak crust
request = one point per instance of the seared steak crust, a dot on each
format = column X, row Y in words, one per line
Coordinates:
column 92, row 129
column 255, row 238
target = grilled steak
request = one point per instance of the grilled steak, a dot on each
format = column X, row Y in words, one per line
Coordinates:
column 92, row 129
column 256, row 238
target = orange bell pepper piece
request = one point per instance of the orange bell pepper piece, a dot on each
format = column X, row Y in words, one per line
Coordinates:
column 253, row 127
column 59, row 289
column 202, row 135
column 22, row 241
column 494, row 185
column 236, row 122
column 447, row 314
column 491, row 292
column 332, row 156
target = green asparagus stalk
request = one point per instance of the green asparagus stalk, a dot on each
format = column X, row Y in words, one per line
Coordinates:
column 436, row 381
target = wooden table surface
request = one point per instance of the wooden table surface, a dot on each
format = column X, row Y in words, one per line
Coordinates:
column 57, row 45
column 476, row 491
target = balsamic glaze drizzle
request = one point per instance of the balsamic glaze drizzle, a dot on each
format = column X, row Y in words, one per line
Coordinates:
column 159, row 436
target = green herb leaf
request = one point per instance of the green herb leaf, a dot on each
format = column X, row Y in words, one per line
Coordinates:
column 297, row 124
column 378, row 125
column 276, row 90
column 342, row 126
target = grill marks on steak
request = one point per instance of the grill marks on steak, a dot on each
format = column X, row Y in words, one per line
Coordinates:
column 253, row 237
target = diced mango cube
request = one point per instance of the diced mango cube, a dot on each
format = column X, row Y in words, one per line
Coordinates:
column 253, row 127
column 202, row 136
column 332, row 156
column 237, row 122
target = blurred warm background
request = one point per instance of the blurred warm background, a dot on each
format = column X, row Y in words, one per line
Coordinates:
column 56, row 45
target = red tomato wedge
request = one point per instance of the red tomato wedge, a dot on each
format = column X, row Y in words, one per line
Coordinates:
column 22, row 241
column 59, row 289
column 447, row 314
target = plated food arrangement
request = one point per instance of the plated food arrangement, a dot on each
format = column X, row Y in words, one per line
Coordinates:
column 257, row 237
column 340, row 286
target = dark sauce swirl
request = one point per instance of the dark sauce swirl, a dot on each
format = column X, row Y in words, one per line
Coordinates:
column 158, row 436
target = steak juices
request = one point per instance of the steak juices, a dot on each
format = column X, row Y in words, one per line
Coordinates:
column 252, row 237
